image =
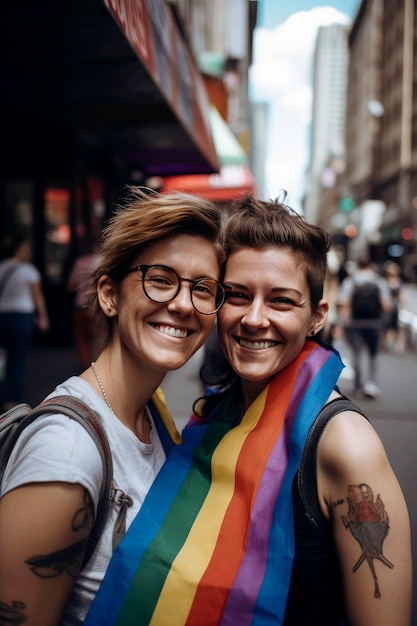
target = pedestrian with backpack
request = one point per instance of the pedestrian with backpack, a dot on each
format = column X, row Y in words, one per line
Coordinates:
column 156, row 287
column 363, row 299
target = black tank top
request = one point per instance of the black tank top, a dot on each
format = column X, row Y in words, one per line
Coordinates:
column 315, row 597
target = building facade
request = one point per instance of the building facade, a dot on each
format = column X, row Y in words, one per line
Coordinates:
column 381, row 137
column 330, row 66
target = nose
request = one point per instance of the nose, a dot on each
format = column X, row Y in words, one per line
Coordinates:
column 256, row 315
column 182, row 302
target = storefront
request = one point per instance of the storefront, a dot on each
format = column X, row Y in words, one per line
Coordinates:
column 96, row 95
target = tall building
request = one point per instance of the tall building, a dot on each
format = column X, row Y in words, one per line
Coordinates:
column 328, row 117
column 381, row 139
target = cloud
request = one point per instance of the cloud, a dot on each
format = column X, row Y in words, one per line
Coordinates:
column 281, row 75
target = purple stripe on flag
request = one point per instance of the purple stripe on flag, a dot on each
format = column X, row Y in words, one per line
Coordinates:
column 252, row 571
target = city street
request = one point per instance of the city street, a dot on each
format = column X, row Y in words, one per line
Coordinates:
column 393, row 415
column 311, row 104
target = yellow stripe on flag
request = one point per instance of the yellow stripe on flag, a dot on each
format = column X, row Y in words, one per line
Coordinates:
column 196, row 553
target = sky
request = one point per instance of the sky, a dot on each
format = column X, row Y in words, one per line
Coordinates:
column 281, row 75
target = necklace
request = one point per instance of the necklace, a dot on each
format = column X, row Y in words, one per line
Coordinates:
column 100, row 384
column 103, row 391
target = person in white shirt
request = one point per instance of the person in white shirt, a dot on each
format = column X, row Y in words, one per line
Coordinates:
column 22, row 306
column 157, row 288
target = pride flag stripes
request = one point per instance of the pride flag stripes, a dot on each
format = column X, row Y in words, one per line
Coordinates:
column 213, row 541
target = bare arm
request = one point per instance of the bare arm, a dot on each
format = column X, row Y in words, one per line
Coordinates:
column 39, row 300
column 44, row 533
column 360, row 494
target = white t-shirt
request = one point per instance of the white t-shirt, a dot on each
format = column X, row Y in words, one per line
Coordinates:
column 17, row 296
column 56, row 448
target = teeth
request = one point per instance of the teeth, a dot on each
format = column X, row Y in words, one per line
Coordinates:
column 171, row 331
column 256, row 345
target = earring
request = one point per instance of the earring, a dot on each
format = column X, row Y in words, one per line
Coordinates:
column 312, row 333
column 108, row 310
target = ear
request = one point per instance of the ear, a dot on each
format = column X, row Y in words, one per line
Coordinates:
column 319, row 317
column 107, row 294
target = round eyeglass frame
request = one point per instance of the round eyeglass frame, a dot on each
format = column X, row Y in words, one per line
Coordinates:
column 143, row 269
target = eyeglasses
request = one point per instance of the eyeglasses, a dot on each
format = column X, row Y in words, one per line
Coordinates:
column 163, row 284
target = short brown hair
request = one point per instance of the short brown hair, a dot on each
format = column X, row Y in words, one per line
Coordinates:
column 258, row 224
column 145, row 217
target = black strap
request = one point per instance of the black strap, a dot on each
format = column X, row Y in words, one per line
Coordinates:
column 76, row 410
column 307, row 472
column 7, row 275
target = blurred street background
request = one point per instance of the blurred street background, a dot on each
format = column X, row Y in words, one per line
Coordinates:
column 218, row 98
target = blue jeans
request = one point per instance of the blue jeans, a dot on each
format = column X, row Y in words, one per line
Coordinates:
column 16, row 333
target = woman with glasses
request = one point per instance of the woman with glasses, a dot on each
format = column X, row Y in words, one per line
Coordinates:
column 280, row 507
column 157, row 289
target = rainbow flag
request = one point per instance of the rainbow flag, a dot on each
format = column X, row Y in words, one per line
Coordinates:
column 213, row 542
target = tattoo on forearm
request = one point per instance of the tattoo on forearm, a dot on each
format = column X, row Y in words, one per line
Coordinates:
column 69, row 559
column 11, row 614
column 368, row 522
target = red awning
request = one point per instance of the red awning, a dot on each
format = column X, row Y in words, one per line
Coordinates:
column 232, row 182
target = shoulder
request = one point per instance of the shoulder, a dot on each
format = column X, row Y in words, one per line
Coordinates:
column 383, row 286
column 30, row 272
column 348, row 438
column 55, row 448
column 349, row 452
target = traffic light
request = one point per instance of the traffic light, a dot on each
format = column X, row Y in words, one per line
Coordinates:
column 346, row 204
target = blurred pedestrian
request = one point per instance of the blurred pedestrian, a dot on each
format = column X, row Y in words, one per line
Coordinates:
column 22, row 306
column 393, row 338
column 336, row 273
column 89, row 333
column 364, row 298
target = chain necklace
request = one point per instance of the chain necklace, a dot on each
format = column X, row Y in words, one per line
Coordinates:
column 103, row 391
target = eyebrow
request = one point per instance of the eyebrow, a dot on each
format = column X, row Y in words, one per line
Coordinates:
column 273, row 290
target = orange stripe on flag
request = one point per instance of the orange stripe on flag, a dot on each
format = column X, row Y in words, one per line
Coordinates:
column 225, row 562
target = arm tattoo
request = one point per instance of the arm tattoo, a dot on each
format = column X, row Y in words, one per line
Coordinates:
column 11, row 614
column 368, row 522
column 69, row 559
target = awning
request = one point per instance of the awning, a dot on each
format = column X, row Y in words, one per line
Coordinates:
column 234, row 178
column 231, row 182
column 117, row 74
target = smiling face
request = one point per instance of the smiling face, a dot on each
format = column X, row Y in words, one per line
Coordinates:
column 162, row 336
column 267, row 315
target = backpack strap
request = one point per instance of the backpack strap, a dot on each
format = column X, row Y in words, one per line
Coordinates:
column 7, row 275
column 307, row 472
column 80, row 412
